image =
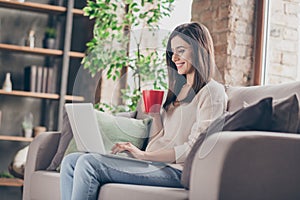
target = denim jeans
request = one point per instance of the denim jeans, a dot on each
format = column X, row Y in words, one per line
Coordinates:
column 82, row 175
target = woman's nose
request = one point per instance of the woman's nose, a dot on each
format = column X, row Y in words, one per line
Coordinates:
column 175, row 57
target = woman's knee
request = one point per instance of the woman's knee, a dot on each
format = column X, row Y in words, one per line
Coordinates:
column 70, row 161
column 88, row 162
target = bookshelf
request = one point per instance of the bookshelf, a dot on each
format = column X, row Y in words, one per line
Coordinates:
column 65, row 14
column 38, row 7
column 13, row 182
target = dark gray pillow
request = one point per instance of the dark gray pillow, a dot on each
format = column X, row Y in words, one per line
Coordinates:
column 255, row 117
column 285, row 115
column 65, row 137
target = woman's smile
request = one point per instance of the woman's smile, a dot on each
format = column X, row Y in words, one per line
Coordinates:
column 179, row 64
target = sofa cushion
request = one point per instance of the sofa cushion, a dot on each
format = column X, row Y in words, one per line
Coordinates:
column 237, row 95
column 65, row 137
column 256, row 117
column 138, row 192
column 45, row 185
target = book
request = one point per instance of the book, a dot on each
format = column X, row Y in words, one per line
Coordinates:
column 44, row 79
column 30, row 73
column 39, row 79
column 50, row 81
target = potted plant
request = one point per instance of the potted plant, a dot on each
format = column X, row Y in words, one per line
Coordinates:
column 109, row 50
column 49, row 38
column 27, row 125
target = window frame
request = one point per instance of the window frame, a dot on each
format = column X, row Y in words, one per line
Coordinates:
column 262, row 28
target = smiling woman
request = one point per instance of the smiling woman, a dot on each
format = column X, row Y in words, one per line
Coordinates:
column 192, row 94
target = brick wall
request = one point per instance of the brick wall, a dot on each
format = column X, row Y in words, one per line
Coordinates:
column 231, row 23
column 283, row 49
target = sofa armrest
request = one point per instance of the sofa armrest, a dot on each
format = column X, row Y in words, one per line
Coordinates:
column 247, row 165
column 40, row 153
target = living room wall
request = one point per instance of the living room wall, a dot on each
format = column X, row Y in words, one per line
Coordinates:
column 232, row 25
column 283, row 42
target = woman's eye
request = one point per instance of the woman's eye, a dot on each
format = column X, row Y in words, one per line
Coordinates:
column 181, row 51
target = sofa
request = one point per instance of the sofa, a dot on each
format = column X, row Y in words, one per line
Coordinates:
column 241, row 165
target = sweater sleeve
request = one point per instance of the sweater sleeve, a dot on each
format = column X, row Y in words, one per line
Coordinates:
column 212, row 104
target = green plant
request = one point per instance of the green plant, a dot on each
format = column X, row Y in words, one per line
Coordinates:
column 27, row 123
column 50, row 32
column 109, row 49
column 6, row 175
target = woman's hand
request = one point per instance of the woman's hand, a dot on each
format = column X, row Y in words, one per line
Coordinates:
column 127, row 146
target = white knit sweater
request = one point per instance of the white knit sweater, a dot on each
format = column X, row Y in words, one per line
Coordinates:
column 181, row 125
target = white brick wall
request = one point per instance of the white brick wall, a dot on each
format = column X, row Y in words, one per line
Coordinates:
column 283, row 49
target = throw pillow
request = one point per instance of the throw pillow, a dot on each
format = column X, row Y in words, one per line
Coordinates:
column 72, row 148
column 118, row 129
column 255, row 117
column 115, row 129
column 122, row 129
column 17, row 166
column 285, row 114
column 65, row 137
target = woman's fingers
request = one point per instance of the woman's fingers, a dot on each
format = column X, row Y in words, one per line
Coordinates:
column 121, row 146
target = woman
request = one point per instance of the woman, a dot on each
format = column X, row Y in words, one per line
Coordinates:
column 193, row 101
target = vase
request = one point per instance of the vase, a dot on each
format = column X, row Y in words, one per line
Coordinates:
column 49, row 43
column 28, row 133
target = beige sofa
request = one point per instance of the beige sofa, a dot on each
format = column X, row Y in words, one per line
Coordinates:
column 239, row 165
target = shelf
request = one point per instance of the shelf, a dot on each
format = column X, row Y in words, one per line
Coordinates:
column 15, row 138
column 14, row 182
column 31, row 94
column 38, row 51
column 38, row 7
column 74, row 54
column 78, row 12
column 74, row 98
column 41, row 95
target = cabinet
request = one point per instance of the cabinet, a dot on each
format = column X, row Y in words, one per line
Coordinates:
column 47, row 102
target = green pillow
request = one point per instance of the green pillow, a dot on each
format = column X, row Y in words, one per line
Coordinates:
column 72, row 148
column 118, row 129
column 122, row 129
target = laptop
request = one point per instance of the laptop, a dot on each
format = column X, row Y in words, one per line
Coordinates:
column 86, row 132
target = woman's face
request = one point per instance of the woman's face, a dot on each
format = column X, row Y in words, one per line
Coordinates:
column 182, row 56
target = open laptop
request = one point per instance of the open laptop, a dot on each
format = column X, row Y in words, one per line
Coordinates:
column 86, row 132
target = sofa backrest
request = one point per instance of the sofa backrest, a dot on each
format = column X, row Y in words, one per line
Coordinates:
column 238, row 95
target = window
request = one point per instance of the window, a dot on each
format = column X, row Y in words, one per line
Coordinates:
column 281, row 51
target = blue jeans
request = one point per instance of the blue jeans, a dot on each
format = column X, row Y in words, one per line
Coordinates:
column 82, row 175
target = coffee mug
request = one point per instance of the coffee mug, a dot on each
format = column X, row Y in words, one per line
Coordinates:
column 152, row 100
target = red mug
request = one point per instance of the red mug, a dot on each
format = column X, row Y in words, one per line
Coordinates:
column 152, row 100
